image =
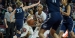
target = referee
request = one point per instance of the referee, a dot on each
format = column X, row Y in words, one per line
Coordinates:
column 9, row 25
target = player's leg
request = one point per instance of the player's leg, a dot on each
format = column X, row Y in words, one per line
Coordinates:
column 53, row 30
column 62, row 30
column 56, row 19
column 60, row 34
column 72, row 34
column 70, row 28
column 18, row 32
column 42, row 30
column 53, row 33
column 45, row 26
column 19, row 24
column 41, row 33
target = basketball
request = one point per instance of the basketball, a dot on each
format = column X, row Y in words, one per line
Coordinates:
column 31, row 22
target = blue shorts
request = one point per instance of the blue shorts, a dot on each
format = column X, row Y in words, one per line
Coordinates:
column 19, row 23
column 54, row 21
column 68, row 25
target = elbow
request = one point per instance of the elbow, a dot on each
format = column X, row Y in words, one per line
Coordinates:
column 67, row 14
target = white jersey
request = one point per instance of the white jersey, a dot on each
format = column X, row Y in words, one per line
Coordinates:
column 41, row 16
column 28, row 29
column 35, row 34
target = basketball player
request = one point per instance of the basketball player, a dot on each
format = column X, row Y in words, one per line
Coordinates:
column 67, row 20
column 54, row 21
column 31, row 12
column 19, row 15
column 27, row 29
column 41, row 17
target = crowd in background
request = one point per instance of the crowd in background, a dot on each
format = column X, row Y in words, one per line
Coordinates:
column 5, row 3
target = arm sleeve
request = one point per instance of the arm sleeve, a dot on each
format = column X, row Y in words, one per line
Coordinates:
column 5, row 15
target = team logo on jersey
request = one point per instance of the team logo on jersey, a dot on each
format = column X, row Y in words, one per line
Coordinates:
column 19, row 10
column 44, row 25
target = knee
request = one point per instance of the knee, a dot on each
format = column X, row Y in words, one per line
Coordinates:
column 52, row 31
column 72, row 34
column 40, row 33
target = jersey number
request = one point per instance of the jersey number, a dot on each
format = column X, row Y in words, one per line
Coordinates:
column 19, row 10
column 54, row 1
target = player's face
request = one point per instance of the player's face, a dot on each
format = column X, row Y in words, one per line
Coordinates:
column 39, row 8
column 9, row 9
column 64, row 1
column 31, row 12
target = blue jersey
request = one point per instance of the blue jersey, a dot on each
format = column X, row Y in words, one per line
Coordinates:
column 66, row 18
column 73, row 1
column 53, row 5
column 19, row 13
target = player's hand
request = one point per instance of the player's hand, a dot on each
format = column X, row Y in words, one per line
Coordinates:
column 6, row 26
column 62, row 13
column 38, row 2
column 14, row 20
column 11, row 20
column 40, row 20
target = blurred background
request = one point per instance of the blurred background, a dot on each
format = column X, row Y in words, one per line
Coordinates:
column 5, row 3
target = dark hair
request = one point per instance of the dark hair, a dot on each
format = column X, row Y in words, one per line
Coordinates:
column 69, row 1
column 30, row 10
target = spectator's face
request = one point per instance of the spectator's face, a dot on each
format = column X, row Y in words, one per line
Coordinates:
column 9, row 9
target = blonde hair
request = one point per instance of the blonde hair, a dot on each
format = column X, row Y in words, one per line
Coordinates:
column 18, row 3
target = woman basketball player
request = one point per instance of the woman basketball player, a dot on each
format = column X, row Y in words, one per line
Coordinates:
column 67, row 23
column 19, row 15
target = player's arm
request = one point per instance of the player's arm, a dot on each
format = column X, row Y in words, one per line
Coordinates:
column 68, row 11
column 37, row 21
column 61, row 10
column 13, row 13
column 26, row 7
column 5, row 20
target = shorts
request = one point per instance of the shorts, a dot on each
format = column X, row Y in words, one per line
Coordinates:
column 67, row 26
column 19, row 23
column 54, row 21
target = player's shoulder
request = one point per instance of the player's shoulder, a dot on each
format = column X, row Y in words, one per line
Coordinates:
column 43, row 13
column 36, row 12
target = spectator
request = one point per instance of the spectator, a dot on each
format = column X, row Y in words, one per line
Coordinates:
column 9, row 25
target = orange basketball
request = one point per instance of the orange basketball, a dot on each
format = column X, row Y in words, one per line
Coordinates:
column 31, row 22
